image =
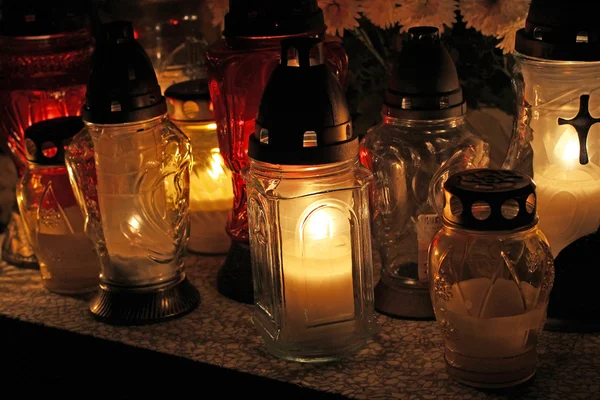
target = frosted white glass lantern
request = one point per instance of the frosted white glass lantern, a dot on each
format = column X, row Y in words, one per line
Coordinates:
column 556, row 140
column 309, row 217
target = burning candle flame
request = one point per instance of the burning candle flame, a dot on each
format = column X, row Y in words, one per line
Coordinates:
column 320, row 225
column 567, row 148
column 215, row 169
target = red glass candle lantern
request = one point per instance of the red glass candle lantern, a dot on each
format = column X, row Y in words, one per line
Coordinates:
column 239, row 66
column 44, row 64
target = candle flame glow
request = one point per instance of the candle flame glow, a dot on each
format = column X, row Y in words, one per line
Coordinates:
column 134, row 224
column 571, row 151
column 320, row 225
column 215, row 169
column 567, row 147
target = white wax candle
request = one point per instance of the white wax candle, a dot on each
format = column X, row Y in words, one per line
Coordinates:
column 317, row 273
column 567, row 194
column 488, row 318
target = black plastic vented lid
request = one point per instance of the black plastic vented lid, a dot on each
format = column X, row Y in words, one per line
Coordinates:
column 123, row 86
column 45, row 141
column 561, row 30
column 303, row 117
column 489, row 200
column 424, row 84
column 273, row 18
column 189, row 101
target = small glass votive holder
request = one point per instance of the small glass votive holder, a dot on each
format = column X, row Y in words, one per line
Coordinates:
column 491, row 272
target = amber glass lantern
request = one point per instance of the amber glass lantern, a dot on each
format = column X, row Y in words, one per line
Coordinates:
column 556, row 140
column 308, row 217
column 239, row 66
column 46, row 47
column 211, row 194
column 491, row 273
column 130, row 167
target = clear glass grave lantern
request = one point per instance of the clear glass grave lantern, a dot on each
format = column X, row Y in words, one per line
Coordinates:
column 131, row 168
column 211, row 193
column 422, row 139
column 556, row 140
column 308, row 216
column 238, row 67
column 51, row 216
column 491, row 272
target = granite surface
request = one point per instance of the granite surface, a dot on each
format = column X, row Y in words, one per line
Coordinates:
column 404, row 361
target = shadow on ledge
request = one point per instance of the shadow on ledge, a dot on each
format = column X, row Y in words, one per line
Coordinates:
column 42, row 360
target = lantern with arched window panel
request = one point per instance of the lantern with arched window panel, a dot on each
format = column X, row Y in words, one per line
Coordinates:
column 309, row 217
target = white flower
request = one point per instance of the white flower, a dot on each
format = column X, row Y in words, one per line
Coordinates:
column 427, row 13
column 493, row 16
column 340, row 15
column 382, row 13
column 508, row 35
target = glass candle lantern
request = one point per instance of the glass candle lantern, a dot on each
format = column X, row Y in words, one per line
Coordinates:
column 422, row 139
column 211, row 193
column 238, row 67
column 130, row 166
column 309, row 217
column 51, row 216
column 491, row 273
column 45, row 61
column 556, row 140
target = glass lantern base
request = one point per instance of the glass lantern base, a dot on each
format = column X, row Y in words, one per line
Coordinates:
column 493, row 372
column 133, row 307
column 404, row 302
column 16, row 249
column 234, row 279
column 318, row 355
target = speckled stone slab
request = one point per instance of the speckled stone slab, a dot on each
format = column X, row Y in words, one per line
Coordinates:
column 404, row 361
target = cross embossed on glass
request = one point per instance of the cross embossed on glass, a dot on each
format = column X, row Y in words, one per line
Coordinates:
column 582, row 123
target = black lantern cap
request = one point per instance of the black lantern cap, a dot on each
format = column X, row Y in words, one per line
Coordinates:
column 424, row 84
column 123, row 86
column 45, row 141
column 189, row 101
column 489, row 200
column 303, row 116
column 273, row 18
column 561, row 30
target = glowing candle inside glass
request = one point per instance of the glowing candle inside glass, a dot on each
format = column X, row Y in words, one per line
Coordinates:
column 211, row 188
column 567, row 192
column 317, row 269
column 211, row 191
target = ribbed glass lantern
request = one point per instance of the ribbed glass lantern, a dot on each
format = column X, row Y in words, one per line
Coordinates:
column 309, row 217
column 130, row 167
column 491, row 273
column 422, row 139
column 52, row 219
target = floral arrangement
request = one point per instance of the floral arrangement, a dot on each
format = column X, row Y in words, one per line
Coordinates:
column 480, row 35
